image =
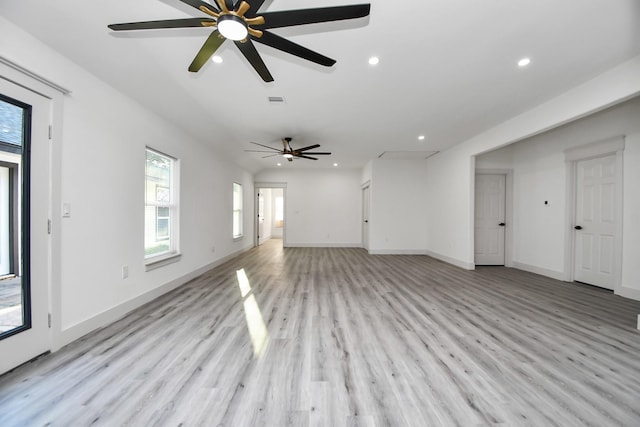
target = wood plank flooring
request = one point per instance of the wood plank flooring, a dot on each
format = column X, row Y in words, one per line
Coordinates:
column 337, row 337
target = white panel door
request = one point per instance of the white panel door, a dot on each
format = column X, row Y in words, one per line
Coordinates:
column 33, row 337
column 365, row 216
column 595, row 224
column 489, row 219
column 260, row 215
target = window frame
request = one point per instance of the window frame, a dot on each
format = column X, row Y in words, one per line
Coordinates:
column 173, row 254
column 237, row 209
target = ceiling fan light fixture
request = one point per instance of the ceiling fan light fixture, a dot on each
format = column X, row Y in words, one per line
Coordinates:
column 232, row 27
column 287, row 156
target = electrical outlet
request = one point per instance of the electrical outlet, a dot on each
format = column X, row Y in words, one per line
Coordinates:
column 125, row 271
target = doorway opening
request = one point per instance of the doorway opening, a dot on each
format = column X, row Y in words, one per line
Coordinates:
column 270, row 214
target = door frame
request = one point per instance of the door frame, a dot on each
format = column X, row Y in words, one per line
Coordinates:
column 603, row 148
column 508, row 210
column 256, row 189
column 36, row 83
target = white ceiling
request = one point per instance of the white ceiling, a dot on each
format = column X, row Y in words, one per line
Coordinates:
column 447, row 69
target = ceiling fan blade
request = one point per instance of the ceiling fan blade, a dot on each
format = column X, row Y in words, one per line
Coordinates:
column 197, row 3
column 318, row 153
column 277, row 42
column 249, row 51
column 266, row 146
column 169, row 23
column 255, row 7
column 259, row 151
column 306, row 157
column 289, row 18
column 208, row 48
column 272, row 155
column 310, row 147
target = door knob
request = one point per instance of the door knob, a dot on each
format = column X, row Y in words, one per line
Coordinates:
column 502, row 224
column 578, row 227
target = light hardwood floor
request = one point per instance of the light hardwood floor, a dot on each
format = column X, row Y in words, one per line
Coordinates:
column 337, row 337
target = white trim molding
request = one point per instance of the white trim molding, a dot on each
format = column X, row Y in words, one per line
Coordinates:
column 449, row 260
column 398, row 252
column 322, row 245
column 558, row 275
column 595, row 149
column 34, row 76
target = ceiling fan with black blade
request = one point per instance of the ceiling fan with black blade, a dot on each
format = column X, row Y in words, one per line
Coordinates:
column 240, row 22
column 290, row 153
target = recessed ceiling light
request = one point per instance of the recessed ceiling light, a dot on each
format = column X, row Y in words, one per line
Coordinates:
column 217, row 59
column 279, row 164
column 524, row 62
column 335, row 165
column 421, row 137
column 374, row 60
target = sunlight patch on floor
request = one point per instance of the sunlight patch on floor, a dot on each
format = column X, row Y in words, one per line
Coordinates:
column 253, row 315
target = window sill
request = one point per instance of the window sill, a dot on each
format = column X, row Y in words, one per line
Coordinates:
column 161, row 261
column 237, row 239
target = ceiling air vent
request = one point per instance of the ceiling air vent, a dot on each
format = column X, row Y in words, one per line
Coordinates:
column 276, row 99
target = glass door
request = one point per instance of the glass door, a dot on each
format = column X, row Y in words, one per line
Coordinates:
column 24, row 216
column 15, row 124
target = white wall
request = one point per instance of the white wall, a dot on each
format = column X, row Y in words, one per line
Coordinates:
column 450, row 173
column 539, row 171
column 397, row 220
column 323, row 207
column 102, row 153
column 450, row 176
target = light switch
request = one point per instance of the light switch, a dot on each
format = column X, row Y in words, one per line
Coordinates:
column 66, row 210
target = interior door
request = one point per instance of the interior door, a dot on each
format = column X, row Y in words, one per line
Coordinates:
column 595, row 223
column 490, row 219
column 24, row 119
column 365, row 216
column 260, row 227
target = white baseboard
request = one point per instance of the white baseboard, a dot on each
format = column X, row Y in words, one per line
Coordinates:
column 115, row 313
column 558, row 275
column 630, row 293
column 397, row 251
column 323, row 245
column 453, row 261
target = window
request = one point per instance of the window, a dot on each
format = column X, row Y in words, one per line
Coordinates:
column 237, row 210
column 161, row 207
